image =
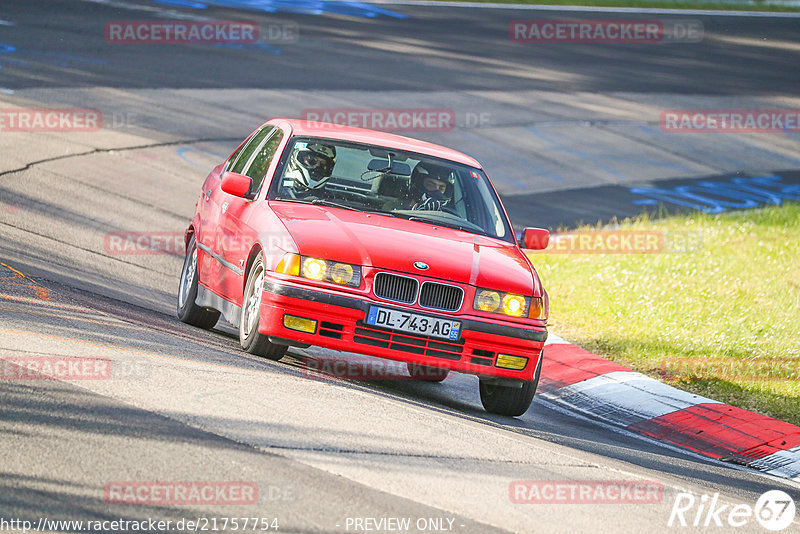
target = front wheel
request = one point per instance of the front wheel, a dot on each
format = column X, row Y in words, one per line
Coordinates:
column 250, row 338
column 510, row 400
column 188, row 311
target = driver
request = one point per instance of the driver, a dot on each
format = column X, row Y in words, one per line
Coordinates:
column 433, row 185
column 310, row 166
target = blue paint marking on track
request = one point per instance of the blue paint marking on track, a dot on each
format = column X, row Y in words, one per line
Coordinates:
column 182, row 3
column 65, row 57
column 6, row 49
column 184, row 150
column 303, row 7
column 51, row 58
column 716, row 197
column 260, row 46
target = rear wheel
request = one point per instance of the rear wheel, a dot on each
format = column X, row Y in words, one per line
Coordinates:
column 510, row 400
column 249, row 337
column 427, row 374
column 188, row 311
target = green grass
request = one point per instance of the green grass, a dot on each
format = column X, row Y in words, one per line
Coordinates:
column 717, row 312
column 661, row 4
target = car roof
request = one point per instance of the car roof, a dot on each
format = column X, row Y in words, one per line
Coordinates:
column 373, row 137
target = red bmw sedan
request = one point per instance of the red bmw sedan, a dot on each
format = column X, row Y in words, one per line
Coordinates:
column 372, row 243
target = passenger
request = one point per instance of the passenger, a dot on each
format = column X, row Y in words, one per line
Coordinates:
column 431, row 187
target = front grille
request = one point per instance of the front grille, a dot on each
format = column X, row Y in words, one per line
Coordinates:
column 391, row 339
column 331, row 330
column 482, row 357
column 441, row 296
column 396, row 288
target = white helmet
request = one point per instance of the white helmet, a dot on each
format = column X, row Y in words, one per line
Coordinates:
column 314, row 164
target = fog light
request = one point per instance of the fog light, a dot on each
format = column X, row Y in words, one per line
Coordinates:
column 300, row 324
column 515, row 363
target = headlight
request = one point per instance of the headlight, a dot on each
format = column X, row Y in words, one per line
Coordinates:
column 342, row 273
column 488, row 301
column 515, row 305
column 314, row 268
column 492, row 301
column 330, row 271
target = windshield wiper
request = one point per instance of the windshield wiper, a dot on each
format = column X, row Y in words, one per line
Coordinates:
column 473, row 229
column 320, row 202
column 329, row 203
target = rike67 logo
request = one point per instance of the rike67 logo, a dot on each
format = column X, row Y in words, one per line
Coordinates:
column 774, row 510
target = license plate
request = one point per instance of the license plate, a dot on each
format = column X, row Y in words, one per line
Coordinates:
column 413, row 323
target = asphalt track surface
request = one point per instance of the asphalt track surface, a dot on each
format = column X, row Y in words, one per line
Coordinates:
column 187, row 405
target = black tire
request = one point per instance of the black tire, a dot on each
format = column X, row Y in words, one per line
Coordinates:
column 508, row 400
column 249, row 337
column 188, row 311
column 426, row 373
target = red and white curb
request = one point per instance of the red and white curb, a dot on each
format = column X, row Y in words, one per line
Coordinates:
column 591, row 385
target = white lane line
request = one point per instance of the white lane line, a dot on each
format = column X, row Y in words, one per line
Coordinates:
column 626, row 397
column 6, row 23
column 593, row 9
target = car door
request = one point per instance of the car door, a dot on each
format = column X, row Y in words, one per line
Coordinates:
column 213, row 271
column 235, row 236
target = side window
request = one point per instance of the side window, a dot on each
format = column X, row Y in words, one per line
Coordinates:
column 237, row 152
column 260, row 163
column 241, row 159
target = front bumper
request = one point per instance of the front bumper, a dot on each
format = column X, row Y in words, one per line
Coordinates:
column 340, row 326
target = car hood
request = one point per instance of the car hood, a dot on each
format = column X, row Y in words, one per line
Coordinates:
column 392, row 243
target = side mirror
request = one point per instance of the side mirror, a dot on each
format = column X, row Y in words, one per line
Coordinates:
column 236, row 184
column 535, row 238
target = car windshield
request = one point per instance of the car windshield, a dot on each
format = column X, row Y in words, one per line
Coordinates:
column 393, row 182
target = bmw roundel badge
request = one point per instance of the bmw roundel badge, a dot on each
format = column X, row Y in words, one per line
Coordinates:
column 422, row 266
